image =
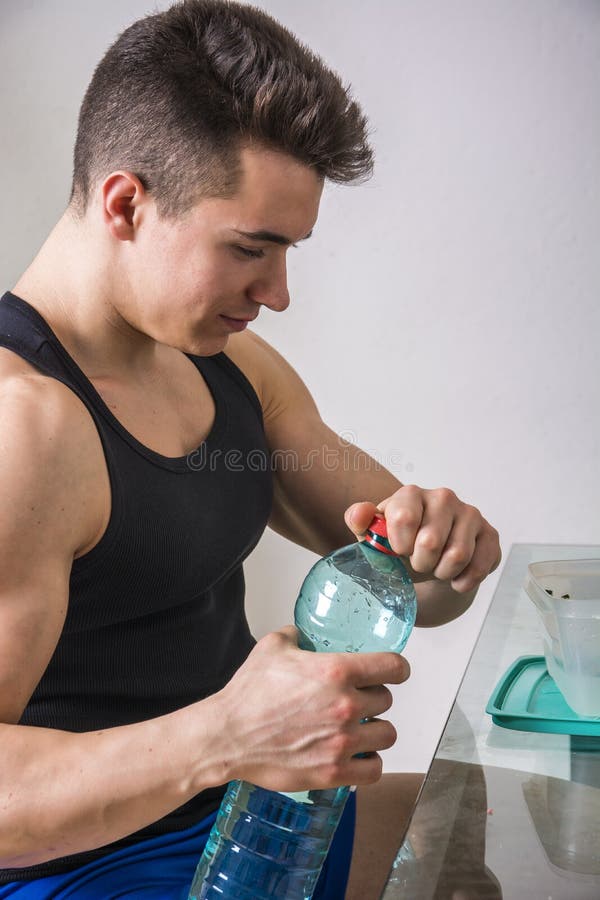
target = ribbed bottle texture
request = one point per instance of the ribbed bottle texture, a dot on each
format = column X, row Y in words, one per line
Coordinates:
column 267, row 845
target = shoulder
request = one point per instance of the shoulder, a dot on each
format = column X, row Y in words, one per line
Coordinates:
column 277, row 384
column 39, row 404
column 49, row 453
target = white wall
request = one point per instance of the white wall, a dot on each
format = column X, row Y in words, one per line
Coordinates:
column 467, row 271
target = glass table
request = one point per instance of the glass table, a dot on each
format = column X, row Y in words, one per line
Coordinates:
column 504, row 813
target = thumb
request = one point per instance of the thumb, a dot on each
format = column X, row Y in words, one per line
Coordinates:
column 359, row 516
column 290, row 633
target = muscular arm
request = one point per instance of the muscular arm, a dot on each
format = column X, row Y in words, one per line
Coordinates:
column 318, row 476
column 61, row 792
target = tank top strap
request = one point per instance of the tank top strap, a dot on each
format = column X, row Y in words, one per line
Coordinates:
column 26, row 333
column 226, row 365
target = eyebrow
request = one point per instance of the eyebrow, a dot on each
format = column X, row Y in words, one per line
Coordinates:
column 270, row 236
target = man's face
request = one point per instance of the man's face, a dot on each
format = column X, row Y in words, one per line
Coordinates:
column 193, row 281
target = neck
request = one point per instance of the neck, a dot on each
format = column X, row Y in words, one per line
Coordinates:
column 72, row 284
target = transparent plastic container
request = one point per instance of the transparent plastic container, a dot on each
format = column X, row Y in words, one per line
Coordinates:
column 567, row 596
column 270, row 844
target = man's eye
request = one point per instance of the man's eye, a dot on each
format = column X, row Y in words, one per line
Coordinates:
column 252, row 253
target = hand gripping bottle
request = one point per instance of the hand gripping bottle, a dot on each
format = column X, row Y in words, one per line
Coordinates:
column 271, row 845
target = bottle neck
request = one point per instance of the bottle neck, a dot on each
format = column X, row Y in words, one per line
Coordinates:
column 377, row 542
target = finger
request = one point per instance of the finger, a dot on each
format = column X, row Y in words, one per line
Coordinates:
column 365, row 669
column 403, row 515
column 496, row 543
column 359, row 516
column 374, row 735
column 379, row 668
column 375, row 700
column 367, row 770
column 436, row 527
column 483, row 561
column 461, row 545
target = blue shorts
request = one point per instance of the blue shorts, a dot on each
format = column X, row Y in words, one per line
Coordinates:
column 162, row 868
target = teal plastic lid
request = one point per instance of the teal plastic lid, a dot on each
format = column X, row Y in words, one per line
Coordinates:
column 527, row 699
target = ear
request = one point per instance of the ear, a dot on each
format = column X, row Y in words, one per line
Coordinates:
column 122, row 195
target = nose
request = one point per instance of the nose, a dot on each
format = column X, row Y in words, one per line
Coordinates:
column 270, row 288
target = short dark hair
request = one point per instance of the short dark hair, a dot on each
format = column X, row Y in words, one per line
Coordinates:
column 180, row 92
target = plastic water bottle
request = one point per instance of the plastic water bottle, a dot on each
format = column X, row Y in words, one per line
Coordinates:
column 271, row 844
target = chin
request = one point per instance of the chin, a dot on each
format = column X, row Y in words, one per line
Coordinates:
column 204, row 346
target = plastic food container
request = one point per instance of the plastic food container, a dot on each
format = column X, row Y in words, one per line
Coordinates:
column 567, row 596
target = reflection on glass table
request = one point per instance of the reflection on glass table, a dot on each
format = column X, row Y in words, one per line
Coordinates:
column 504, row 813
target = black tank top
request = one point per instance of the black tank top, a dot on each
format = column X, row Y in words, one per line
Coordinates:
column 156, row 609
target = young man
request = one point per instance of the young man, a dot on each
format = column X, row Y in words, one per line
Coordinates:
column 131, row 689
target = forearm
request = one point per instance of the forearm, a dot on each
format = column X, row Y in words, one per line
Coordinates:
column 63, row 793
column 310, row 511
column 438, row 604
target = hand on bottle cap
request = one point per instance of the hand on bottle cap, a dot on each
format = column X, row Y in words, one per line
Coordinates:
column 363, row 515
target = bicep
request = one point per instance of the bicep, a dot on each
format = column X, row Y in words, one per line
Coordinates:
column 317, row 474
column 32, row 612
column 41, row 522
column 296, row 437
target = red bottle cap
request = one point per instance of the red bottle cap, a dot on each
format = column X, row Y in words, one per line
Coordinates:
column 377, row 536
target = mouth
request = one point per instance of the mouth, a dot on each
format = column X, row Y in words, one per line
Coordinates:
column 237, row 324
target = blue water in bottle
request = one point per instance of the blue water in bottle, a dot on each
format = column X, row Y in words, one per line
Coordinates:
column 268, row 844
